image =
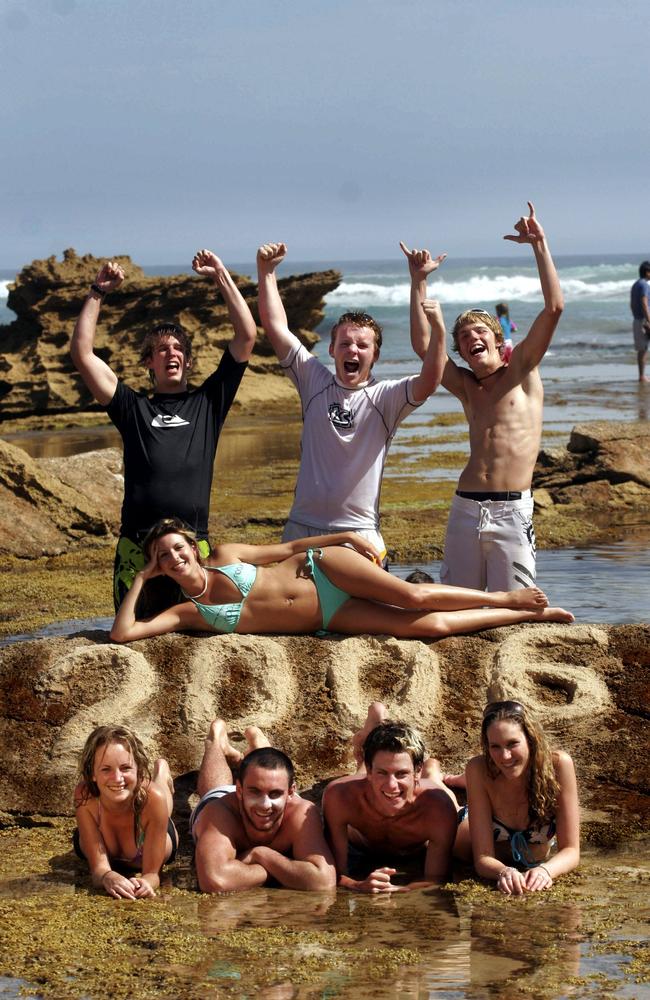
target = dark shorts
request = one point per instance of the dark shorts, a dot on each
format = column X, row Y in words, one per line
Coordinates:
column 362, row 861
column 171, row 830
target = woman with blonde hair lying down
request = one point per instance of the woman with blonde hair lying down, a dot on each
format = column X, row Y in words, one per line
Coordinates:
column 309, row 585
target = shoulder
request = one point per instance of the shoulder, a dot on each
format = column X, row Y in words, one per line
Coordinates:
column 436, row 803
column 476, row 767
column 562, row 764
column 341, row 794
column 154, row 801
column 82, row 795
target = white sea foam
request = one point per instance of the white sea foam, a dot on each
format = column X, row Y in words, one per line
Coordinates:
column 479, row 289
column 4, row 290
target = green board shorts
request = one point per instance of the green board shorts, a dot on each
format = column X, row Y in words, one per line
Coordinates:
column 161, row 591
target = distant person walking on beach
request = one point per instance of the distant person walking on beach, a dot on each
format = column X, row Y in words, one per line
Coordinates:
column 508, row 327
column 640, row 306
column 170, row 438
column 255, row 829
column 349, row 418
column 490, row 541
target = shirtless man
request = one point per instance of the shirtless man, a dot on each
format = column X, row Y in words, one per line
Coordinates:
column 259, row 827
column 170, row 438
column 349, row 418
column 490, row 542
column 394, row 809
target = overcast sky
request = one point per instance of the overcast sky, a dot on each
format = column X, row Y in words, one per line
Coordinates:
column 154, row 127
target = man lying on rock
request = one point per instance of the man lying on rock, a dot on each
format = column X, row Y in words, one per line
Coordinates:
column 393, row 814
column 170, row 438
column 258, row 830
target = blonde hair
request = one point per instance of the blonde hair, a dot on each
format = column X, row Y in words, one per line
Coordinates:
column 169, row 526
column 542, row 785
column 104, row 736
column 476, row 316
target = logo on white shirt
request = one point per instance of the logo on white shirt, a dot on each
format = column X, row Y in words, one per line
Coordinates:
column 169, row 420
column 340, row 416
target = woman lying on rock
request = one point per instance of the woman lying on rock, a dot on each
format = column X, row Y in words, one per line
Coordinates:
column 123, row 813
column 315, row 584
column 522, row 798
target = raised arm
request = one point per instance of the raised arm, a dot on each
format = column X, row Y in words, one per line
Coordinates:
column 98, row 377
column 434, row 361
column 421, row 265
column 206, row 263
column 529, row 352
column 311, row 865
column 264, row 555
column 272, row 312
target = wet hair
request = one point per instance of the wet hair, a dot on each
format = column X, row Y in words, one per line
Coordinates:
column 501, row 309
column 644, row 268
column 151, row 340
column 543, row 787
column 394, row 737
column 269, row 759
column 169, row 526
column 103, row 736
column 476, row 316
column 357, row 319
column 419, row 576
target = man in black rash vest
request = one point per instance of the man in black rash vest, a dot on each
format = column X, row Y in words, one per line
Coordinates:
column 170, row 438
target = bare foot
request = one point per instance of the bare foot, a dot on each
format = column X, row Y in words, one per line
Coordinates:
column 255, row 738
column 218, row 733
column 644, row 378
column 432, row 771
column 161, row 773
column 555, row 615
column 376, row 714
column 529, row 598
column 455, row 780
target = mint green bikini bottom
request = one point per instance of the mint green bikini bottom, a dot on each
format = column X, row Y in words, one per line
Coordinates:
column 330, row 597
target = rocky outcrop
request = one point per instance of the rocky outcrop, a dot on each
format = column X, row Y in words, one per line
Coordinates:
column 588, row 685
column 602, row 477
column 42, row 515
column 37, row 376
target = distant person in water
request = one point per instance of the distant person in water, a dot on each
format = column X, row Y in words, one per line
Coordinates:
column 640, row 306
column 170, row 438
column 307, row 585
column 349, row 418
column 394, row 813
column 123, row 814
column 522, row 801
column 255, row 830
column 490, row 541
column 508, row 328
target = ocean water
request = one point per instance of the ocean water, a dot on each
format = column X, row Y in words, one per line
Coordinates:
column 590, row 370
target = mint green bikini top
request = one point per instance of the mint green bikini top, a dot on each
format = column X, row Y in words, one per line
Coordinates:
column 225, row 617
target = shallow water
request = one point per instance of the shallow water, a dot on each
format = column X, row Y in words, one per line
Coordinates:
column 583, row 938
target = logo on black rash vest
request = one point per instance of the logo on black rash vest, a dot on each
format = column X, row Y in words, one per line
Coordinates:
column 340, row 417
column 169, row 420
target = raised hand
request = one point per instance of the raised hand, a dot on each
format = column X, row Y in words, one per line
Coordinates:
column 421, row 263
column 528, row 228
column 110, row 276
column 433, row 312
column 270, row 255
column 206, row 263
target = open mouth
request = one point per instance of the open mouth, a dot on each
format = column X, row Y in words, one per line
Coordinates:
column 476, row 350
column 351, row 367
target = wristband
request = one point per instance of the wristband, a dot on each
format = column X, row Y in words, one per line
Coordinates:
column 547, row 871
column 99, row 291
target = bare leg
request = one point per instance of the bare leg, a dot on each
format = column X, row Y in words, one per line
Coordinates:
column 162, row 777
column 376, row 714
column 362, row 579
column 357, row 617
column 218, row 756
column 455, row 780
column 432, row 772
column 640, row 357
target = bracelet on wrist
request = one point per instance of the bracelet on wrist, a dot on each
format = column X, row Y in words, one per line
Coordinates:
column 97, row 290
column 547, row 871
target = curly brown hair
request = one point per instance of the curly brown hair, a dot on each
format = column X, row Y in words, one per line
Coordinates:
column 543, row 786
column 104, row 736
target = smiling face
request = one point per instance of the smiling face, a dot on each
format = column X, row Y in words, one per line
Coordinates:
column 508, row 748
column 354, row 351
column 392, row 779
column 115, row 773
column 477, row 345
column 263, row 798
column 177, row 557
column 168, row 364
